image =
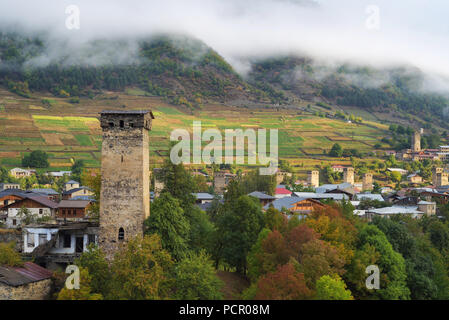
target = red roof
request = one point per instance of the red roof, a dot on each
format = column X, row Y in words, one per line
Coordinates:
column 283, row 191
column 338, row 166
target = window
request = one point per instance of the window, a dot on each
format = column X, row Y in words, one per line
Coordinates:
column 111, row 124
column 41, row 211
column 121, row 234
column 131, row 125
column 42, row 239
column 91, row 238
column 5, row 202
column 122, row 158
column 122, row 124
column 30, row 240
column 14, row 222
column 67, row 241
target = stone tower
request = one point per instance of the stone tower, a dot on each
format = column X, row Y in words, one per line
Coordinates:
column 220, row 182
column 439, row 177
column 125, row 177
column 416, row 141
column 367, row 184
column 348, row 175
column 313, row 178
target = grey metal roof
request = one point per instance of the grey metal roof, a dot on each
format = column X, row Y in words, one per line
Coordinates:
column 328, row 187
column 80, row 204
column 76, row 190
column 369, row 196
column 72, row 182
column 47, row 191
column 203, row 196
column 261, row 196
column 396, row 210
column 286, row 202
column 313, row 195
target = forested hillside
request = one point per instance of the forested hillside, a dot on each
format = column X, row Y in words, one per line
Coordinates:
column 185, row 71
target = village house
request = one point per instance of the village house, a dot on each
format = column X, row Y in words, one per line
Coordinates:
column 296, row 205
column 37, row 205
column 74, row 210
column 76, row 192
column 51, row 194
column 414, row 178
column 27, row 282
column 282, row 192
column 202, row 198
column 9, row 196
column 53, row 244
column 338, row 168
column 429, row 208
column 263, row 198
column 388, row 212
column 6, row 186
column 21, row 173
column 322, row 196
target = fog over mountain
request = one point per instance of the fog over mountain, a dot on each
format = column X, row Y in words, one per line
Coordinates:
column 411, row 32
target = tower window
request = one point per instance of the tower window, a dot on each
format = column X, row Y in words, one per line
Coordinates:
column 131, row 125
column 121, row 234
column 122, row 124
column 111, row 124
column 122, row 158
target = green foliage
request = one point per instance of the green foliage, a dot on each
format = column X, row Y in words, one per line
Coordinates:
column 9, row 256
column 167, row 219
column 36, row 159
column 336, row 151
column 332, row 288
column 85, row 292
column 196, row 279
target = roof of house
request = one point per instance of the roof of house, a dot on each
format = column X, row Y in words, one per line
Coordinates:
column 43, row 200
column 203, row 196
column 426, row 202
column 286, row 202
column 75, row 190
column 15, row 192
column 85, row 198
column 77, row 204
column 313, row 195
column 72, row 182
column 282, row 191
column 261, row 195
column 369, row 196
column 28, row 273
column 136, row 112
column 47, row 192
column 396, row 210
column 329, row 187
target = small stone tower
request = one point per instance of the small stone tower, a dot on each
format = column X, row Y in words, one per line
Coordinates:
column 125, row 177
column 416, row 141
column 313, row 178
column 439, row 177
column 220, row 182
column 367, row 184
column 348, row 175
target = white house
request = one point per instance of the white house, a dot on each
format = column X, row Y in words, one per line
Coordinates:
column 38, row 206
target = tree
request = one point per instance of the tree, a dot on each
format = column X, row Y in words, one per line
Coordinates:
column 336, row 151
column 167, row 219
column 94, row 261
column 238, row 228
column 283, row 284
column 77, row 170
column 332, row 288
column 92, row 179
column 439, row 235
column 9, row 256
column 140, row 270
column 36, row 159
column 196, row 279
column 84, row 292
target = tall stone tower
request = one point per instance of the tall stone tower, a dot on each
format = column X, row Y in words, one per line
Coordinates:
column 348, row 175
column 313, row 178
column 125, row 177
column 435, row 173
column 220, row 182
column 367, row 184
column 158, row 182
column 416, row 141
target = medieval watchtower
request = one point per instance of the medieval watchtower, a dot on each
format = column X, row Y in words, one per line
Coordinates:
column 125, row 179
column 348, row 175
column 313, row 178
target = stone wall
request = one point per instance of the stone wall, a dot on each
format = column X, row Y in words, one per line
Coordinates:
column 10, row 235
column 32, row 291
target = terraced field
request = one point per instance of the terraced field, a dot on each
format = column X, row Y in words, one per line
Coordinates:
column 71, row 131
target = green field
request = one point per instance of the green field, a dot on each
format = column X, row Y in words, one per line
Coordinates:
column 70, row 132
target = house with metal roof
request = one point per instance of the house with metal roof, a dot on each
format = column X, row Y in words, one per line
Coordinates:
column 26, row 282
column 262, row 197
column 412, row 211
column 369, row 196
column 296, row 205
column 202, row 197
column 320, row 196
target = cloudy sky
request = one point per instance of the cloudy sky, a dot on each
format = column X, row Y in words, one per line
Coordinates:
column 377, row 31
